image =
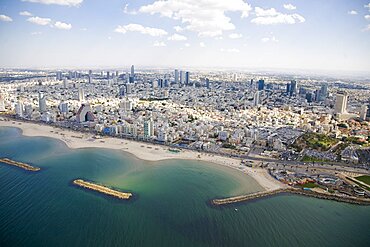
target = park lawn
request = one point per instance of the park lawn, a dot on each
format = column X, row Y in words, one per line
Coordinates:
column 365, row 179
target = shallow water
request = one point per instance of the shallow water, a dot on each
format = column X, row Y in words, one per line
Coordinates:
column 169, row 209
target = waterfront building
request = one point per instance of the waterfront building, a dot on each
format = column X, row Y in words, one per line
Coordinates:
column 19, row 109
column 42, row 102
column 148, row 128
column 84, row 114
column 2, row 104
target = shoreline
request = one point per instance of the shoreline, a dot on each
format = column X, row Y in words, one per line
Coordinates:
column 143, row 151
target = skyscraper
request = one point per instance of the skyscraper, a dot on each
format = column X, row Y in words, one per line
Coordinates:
column 148, row 128
column 90, row 76
column 19, row 109
column 59, row 75
column 208, row 85
column 293, row 87
column 42, row 102
column 2, row 104
column 187, row 78
column 261, row 85
column 323, row 92
column 182, row 77
column 341, row 103
column 81, row 94
column 65, row 83
column 132, row 71
column 176, row 76
column 363, row 112
column 108, row 76
column 256, row 98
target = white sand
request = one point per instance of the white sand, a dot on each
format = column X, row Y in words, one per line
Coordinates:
column 145, row 151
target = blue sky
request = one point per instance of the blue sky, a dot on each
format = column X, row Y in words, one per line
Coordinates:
column 303, row 34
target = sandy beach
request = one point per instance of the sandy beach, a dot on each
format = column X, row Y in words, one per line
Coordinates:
column 145, row 151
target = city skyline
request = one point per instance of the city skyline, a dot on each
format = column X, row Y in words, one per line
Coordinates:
column 242, row 34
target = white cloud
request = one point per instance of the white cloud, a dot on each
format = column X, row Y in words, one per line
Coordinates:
column 231, row 50
column 25, row 13
column 269, row 39
column 47, row 21
column 367, row 6
column 159, row 44
column 367, row 17
column 36, row 33
column 271, row 16
column 62, row 25
column 5, row 18
column 127, row 11
column 187, row 45
column 201, row 44
column 235, row 36
column 39, row 21
column 289, row 6
column 178, row 29
column 367, row 28
column 206, row 17
column 177, row 37
column 352, row 12
column 57, row 2
column 156, row 32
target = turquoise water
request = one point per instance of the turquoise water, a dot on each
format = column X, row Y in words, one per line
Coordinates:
column 170, row 206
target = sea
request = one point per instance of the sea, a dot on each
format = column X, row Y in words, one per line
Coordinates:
column 171, row 203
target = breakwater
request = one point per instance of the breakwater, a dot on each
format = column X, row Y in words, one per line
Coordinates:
column 102, row 189
column 19, row 164
column 263, row 194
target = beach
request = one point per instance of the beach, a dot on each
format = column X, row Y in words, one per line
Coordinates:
column 144, row 151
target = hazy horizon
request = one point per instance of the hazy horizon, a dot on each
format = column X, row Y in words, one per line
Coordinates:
column 275, row 35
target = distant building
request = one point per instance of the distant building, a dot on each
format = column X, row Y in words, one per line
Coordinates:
column 187, row 78
column 84, row 114
column 293, row 87
column 81, row 94
column 132, row 71
column 363, row 112
column 208, row 85
column 59, row 75
column 65, row 83
column 341, row 103
column 261, row 85
column 256, row 98
column 182, row 77
column 323, row 92
column 176, row 76
column 63, row 107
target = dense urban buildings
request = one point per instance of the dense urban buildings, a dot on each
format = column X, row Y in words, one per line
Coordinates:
column 231, row 113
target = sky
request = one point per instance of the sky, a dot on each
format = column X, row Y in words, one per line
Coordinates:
column 289, row 34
